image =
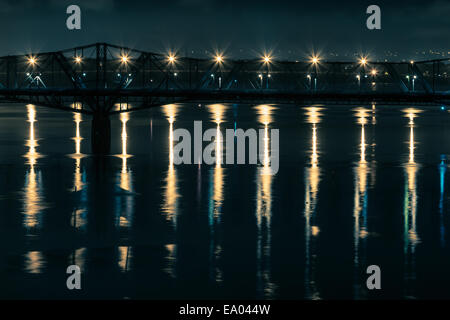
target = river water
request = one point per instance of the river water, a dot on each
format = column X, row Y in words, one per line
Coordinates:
column 356, row 186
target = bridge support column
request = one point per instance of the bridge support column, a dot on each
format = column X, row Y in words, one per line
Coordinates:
column 101, row 133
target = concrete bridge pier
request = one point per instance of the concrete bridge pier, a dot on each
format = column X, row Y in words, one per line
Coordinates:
column 101, row 133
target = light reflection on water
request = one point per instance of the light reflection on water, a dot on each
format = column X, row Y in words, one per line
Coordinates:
column 312, row 181
column 216, row 193
column 361, row 232
column 264, row 208
column 80, row 179
column 171, row 195
column 33, row 203
column 125, row 198
column 442, row 171
column 411, row 236
column 175, row 200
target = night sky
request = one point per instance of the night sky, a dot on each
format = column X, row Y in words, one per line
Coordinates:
column 244, row 27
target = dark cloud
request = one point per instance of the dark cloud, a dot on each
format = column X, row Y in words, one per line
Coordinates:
column 238, row 24
column 96, row 5
column 11, row 6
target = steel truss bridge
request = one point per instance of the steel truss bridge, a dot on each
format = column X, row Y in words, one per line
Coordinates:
column 104, row 79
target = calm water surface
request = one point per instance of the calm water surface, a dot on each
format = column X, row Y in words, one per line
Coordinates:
column 356, row 186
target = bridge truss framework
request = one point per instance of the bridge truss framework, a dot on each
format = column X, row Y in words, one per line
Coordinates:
column 103, row 79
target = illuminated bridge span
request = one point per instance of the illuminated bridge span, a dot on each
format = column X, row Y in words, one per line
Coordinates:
column 103, row 79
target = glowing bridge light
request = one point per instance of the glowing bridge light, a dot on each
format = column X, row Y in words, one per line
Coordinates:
column 32, row 61
column 374, row 72
column 171, row 58
column 363, row 61
column 219, row 58
column 267, row 59
column 124, row 58
column 78, row 60
column 315, row 59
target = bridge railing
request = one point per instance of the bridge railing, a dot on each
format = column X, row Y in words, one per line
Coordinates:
column 88, row 76
column 103, row 66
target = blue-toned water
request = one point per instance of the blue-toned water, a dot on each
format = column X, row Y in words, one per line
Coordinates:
column 356, row 186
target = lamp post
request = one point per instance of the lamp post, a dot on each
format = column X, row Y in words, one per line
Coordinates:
column 32, row 61
column 362, row 62
column 219, row 60
column 124, row 62
column 78, row 61
column 315, row 61
column 171, row 59
column 266, row 59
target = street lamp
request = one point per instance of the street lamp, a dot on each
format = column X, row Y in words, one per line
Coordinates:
column 413, row 82
column 171, row 58
column 219, row 61
column 363, row 61
column 78, row 60
column 373, row 72
column 315, row 59
column 124, row 59
column 267, row 59
column 32, row 61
